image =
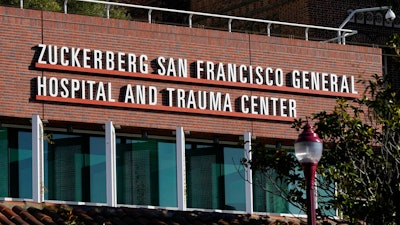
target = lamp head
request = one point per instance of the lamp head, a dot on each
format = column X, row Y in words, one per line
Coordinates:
column 308, row 147
column 390, row 15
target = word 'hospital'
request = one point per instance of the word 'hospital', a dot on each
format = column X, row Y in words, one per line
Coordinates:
column 179, row 98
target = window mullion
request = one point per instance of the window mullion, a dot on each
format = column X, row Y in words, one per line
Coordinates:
column 111, row 165
column 37, row 160
column 181, row 168
column 248, row 173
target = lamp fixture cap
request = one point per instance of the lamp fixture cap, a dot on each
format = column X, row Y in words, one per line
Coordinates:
column 308, row 135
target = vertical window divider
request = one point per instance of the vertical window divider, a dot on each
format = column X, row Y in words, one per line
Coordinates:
column 181, row 168
column 248, row 174
column 111, row 175
column 37, row 159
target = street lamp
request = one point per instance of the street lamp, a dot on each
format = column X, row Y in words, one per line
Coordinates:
column 308, row 150
column 388, row 16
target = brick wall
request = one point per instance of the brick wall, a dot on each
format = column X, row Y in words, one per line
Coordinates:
column 23, row 30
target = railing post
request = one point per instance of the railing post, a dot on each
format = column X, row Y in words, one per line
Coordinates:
column 306, row 33
column 190, row 20
column 149, row 15
column 65, row 6
column 108, row 11
column 21, row 4
column 230, row 25
column 269, row 29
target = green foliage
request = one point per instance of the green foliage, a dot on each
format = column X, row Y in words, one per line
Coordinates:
column 50, row 5
column 46, row 5
column 394, row 43
column 360, row 167
column 66, row 213
column 93, row 9
column 363, row 155
column 74, row 7
column 277, row 165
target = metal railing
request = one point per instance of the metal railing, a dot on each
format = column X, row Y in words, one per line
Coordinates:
column 343, row 32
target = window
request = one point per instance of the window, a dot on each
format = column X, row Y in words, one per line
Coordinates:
column 266, row 189
column 75, row 168
column 215, row 179
column 15, row 163
column 146, row 172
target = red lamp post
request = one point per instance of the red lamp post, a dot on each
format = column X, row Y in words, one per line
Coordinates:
column 308, row 150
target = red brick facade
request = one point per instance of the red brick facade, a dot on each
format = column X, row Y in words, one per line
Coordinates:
column 23, row 30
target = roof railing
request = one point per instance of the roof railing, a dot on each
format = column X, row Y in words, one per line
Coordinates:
column 343, row 32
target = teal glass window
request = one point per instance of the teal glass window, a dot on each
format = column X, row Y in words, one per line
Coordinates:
column 15, row 163
column 267, row 191
column 146, row 172
column 215, row 179
column 75, row 168
column 266, row 194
